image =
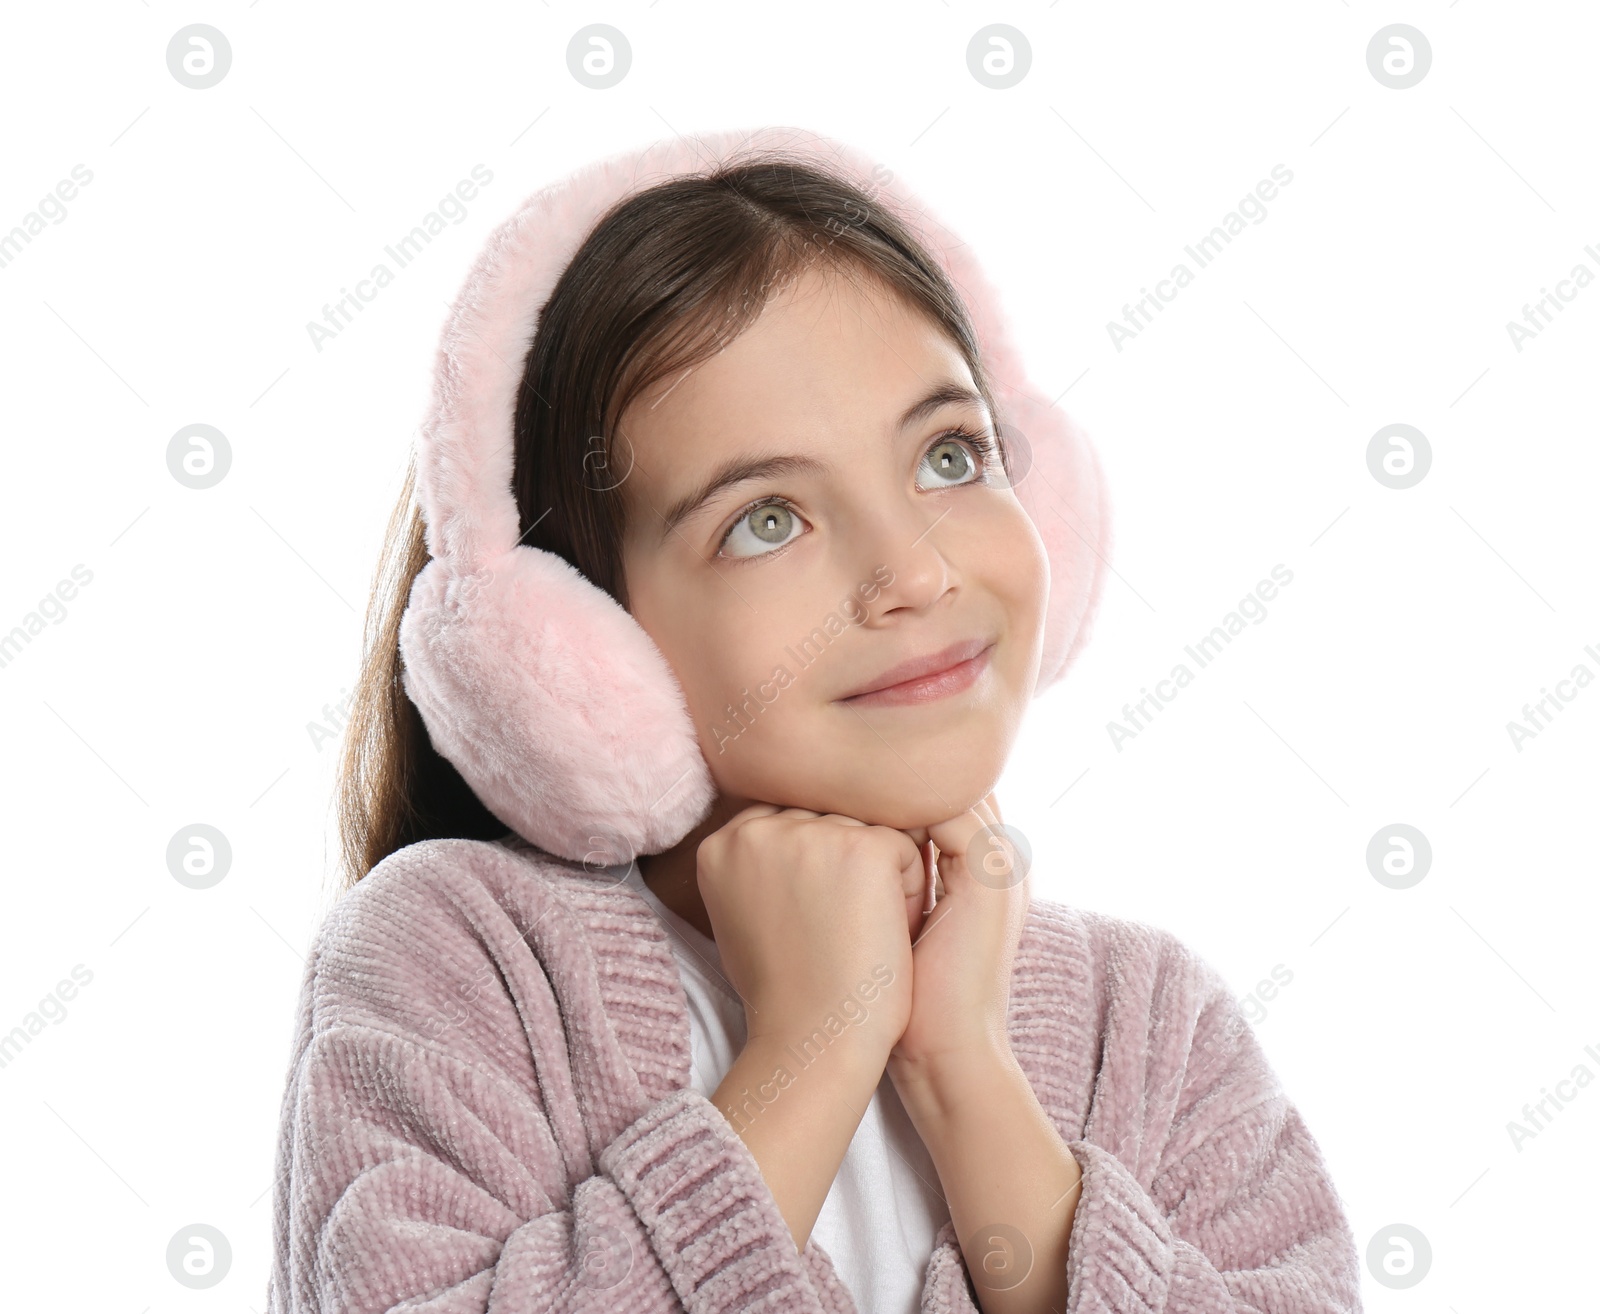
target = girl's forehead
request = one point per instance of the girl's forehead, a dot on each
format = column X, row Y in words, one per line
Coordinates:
column 802, row 359
column 835, row 368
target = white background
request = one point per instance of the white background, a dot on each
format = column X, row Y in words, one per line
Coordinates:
column 1377, row 290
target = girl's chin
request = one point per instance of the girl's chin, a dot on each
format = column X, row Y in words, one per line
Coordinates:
column 883, row 786
column 929, row 804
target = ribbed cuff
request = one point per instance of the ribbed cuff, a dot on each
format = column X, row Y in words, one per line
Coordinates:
column 948, row 1288
column 710, row 1214
column 1121, row 1253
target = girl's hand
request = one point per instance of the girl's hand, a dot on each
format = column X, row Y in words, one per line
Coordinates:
column 808, row 910
column 964, row 950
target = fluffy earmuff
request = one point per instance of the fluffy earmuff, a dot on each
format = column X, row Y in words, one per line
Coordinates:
column 550, row 700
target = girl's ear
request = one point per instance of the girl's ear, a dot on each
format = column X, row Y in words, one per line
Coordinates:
column 555, row 706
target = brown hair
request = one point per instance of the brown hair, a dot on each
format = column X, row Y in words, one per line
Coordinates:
column 667, row 277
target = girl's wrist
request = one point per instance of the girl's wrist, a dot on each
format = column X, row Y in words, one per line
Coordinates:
column 946, row 1086
column 857, row 1063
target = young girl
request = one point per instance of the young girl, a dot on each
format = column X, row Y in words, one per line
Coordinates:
column 687, row 960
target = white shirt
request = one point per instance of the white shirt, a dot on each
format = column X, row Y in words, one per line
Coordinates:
column 884, row 1207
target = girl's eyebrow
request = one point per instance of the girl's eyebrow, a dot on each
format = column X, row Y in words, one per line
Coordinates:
column 743, row 468
column 943, row 394
column 737, row 471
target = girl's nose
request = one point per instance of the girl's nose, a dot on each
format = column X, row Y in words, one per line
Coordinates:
column 906, row 539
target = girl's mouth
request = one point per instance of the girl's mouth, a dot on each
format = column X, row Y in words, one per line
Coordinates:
column 952, row 679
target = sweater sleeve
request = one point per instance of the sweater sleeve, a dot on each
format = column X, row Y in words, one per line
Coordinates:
column 436, row 1174
column 1235, row 1210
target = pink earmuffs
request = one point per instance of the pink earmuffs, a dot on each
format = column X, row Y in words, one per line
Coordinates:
column 550, row 700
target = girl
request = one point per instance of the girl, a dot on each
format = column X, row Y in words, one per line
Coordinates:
column 687, row 960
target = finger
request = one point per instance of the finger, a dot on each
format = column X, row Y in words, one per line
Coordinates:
column 913, row 874
column 906, row 841
column 987, row 812
column 975, row 846
column 743, row 817
column 753, row 810
column 929, row 922
column 914, row 915
column 955, row 835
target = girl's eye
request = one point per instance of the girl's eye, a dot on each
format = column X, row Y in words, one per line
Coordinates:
column 769, row 526
column 763, row 528
column 952, row 457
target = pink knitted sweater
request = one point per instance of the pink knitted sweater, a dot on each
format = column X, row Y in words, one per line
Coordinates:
column 487, row 1109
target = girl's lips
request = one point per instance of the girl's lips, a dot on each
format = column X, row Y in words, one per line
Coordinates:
column 926, row 688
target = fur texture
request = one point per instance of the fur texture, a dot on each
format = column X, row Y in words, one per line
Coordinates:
column 551, row 701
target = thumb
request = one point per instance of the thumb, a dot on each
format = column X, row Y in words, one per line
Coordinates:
column 914, row 884
column 975, row 843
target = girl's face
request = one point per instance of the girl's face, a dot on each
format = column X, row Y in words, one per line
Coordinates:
column 802, row 520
